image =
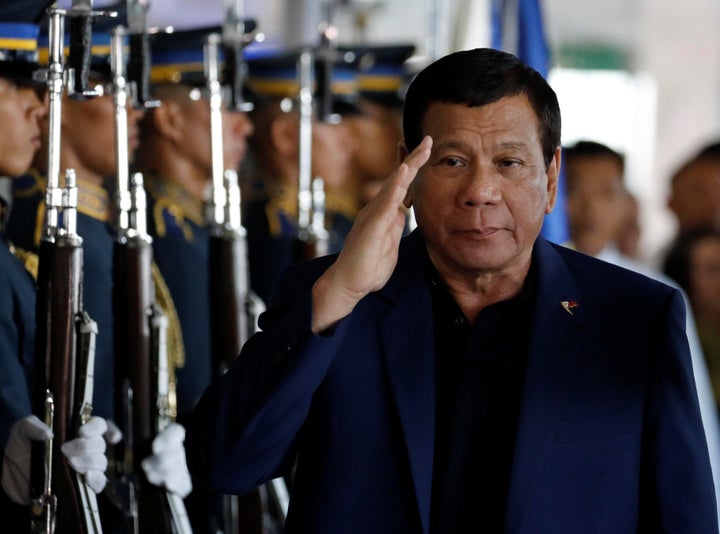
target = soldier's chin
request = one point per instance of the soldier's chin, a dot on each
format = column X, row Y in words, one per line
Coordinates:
column 16, row 166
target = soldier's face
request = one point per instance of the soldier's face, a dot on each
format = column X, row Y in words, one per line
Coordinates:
column 376, row 134
column 195, row 140
column 20, row 137
column 88, row 131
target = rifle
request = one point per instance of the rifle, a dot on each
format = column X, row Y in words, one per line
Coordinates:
column 65, row 334
column 233, row 307
column 141, row 375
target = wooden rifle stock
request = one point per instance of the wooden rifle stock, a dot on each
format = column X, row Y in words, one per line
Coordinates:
column 228, row 314
column 58, row 303
column 135, row 401
column 232, row 313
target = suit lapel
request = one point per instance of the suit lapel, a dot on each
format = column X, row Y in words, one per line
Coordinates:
column 407, row 338
column 554, row 353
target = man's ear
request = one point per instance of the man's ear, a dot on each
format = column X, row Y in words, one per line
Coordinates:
column 402, row 154
column 167, row 120
column 284, row 134
column 553, row 177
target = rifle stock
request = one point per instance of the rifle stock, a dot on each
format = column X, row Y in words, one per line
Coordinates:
column 233, row 311
column 133, row 310
column 58, row 302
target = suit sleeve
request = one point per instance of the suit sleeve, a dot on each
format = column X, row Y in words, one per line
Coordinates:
column 677, row 486
column 244, row 428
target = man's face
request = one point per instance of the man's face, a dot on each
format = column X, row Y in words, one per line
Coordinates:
column 695, row 195
column 20, row 112
column 596, row 202
column 481, row 198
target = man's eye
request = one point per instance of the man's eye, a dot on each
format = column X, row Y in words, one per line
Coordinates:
column 452, row 162
column 509, row 163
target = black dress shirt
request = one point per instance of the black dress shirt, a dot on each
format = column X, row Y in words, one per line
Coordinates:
column 479, row 383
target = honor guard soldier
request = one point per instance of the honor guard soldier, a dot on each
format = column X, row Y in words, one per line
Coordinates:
column 22, row 109
column 175, row 158
column 271, row 207
column 89, row 146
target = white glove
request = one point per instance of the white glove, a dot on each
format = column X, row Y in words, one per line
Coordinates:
column 86, row 453
column 167, row 466
column 16, row 464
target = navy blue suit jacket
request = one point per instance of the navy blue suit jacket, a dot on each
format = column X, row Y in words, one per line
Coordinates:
column 609, row 438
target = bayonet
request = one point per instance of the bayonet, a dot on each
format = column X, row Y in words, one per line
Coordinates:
column 138, row 64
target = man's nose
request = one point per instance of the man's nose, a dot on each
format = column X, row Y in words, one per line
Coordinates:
column 482, row 185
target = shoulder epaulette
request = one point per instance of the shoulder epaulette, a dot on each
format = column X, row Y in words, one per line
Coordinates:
column 180, row 205
column 29, row 184
column 93, row 201
column 282, row 205
column 30, row 260
column 341, row 202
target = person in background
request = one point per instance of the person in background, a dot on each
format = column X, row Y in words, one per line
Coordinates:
column 22, row 108
column 597, row 200
column 471, row 376
column 175, row 158
column 694, row 263
column 694, row 197
column 695, row 191
column 598, row 206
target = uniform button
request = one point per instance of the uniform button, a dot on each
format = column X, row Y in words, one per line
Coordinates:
column 459, row 321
